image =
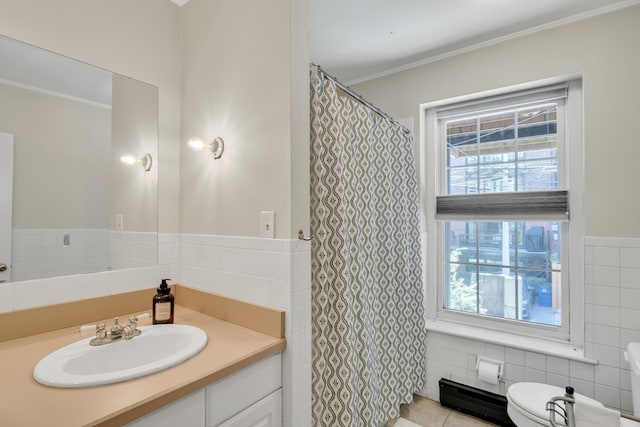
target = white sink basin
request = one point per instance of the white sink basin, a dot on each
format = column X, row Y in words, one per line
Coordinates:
column 157, row 348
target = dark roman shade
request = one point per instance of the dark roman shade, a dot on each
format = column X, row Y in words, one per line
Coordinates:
column 543, row 205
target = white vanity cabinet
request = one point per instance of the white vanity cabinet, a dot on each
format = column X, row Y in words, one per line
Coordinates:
column 265, row 413
column 188, row 411
column 235, row 395
column 251, row 397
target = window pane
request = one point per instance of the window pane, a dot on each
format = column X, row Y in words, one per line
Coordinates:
column 509, row 269
column 514, row 150
column 463, row 180
column 461, row 289
column 538, row 175
column 497, row 177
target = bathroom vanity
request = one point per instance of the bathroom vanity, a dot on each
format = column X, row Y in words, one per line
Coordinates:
column 235, row 380
column 251, row 397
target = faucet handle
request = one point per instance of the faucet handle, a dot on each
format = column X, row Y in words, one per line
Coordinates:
column 142, row 317
column 116, row 329
column 101, row 331
column 128, row 331
column 131, row 330
column 91, row 329
column 86, row 329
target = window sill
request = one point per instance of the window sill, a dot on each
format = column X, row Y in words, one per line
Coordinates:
column 538, row 345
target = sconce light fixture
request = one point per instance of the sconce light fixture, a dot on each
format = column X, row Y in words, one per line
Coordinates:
column 145, row 161
column 216, row 147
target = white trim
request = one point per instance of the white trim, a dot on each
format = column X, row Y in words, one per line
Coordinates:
column 550, row 25
column 54, row 93
column 6, row 210
column 430, row 181
column 538, row 345
column 574, row 152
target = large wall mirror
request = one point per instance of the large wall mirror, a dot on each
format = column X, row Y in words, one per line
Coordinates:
column 78, row 167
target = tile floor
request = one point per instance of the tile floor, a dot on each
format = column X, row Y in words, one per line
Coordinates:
column 428, row 413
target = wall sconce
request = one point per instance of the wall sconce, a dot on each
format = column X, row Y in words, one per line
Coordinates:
column 145, row 161
column 216, row 147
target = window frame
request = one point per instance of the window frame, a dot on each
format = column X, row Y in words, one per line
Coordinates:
column 568, row 342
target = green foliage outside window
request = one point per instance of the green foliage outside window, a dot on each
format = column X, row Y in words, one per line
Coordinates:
column 462, row 296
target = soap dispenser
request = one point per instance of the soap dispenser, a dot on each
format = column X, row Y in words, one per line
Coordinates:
column 163, row 304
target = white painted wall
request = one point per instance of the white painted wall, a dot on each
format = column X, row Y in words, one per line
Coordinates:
column 134, row 132
column 60, row 151
column 238, row 61
column 245, row 79
column 139, row 39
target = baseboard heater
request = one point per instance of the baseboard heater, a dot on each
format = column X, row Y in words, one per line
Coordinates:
column 473, row 401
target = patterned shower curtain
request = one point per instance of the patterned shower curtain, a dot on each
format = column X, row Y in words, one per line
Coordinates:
column 368, row 334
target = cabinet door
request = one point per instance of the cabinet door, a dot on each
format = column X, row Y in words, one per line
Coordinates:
column 264, row 413
column 188, row 411
column 231, row 395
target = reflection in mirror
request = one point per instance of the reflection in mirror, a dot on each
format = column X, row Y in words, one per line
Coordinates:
column 76, row 208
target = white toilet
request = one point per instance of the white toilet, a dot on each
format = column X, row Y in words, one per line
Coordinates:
column 527, row 402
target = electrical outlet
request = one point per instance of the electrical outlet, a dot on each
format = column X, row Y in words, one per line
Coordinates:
column 268, row 224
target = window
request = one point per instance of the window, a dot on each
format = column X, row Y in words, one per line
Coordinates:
column 503, row 204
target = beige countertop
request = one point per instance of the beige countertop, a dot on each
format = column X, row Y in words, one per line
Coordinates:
column 230, row 347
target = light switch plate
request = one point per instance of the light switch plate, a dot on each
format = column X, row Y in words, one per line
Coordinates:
column 268, row 224
column 119, row 222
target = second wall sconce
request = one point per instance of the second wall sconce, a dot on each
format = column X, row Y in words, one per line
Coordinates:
column 216, row 147
column 145, row 161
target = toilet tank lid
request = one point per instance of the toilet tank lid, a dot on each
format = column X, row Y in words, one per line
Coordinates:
column 533, row 397
column 633, row 356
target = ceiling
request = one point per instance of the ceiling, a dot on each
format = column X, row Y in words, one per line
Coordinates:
column 355, row 40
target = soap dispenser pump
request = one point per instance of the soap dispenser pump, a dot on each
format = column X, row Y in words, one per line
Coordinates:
column 163, row 304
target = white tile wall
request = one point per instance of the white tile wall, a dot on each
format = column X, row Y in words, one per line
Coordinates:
column 56, row 290
column 612, row 320
column 133, row 249
column 271, row 272
column 41, row 253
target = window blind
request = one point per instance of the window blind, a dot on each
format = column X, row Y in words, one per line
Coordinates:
column 543, row 205
column 514, row 100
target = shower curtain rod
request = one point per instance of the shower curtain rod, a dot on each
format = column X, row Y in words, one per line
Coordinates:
column 359, row 98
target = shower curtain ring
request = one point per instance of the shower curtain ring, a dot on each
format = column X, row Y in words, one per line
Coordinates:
column 301, row 236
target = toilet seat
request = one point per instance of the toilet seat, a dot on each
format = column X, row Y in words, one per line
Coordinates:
column 527, row 402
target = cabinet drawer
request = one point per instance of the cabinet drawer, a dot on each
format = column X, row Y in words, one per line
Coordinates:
column 237, row 392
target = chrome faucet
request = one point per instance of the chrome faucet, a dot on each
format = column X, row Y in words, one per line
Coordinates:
column 566, row 414
column 117, row 332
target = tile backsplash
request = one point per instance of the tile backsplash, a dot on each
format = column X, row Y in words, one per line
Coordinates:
column 51, row 252
column 271, row 272
column 612, row 320
column 39, row 253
